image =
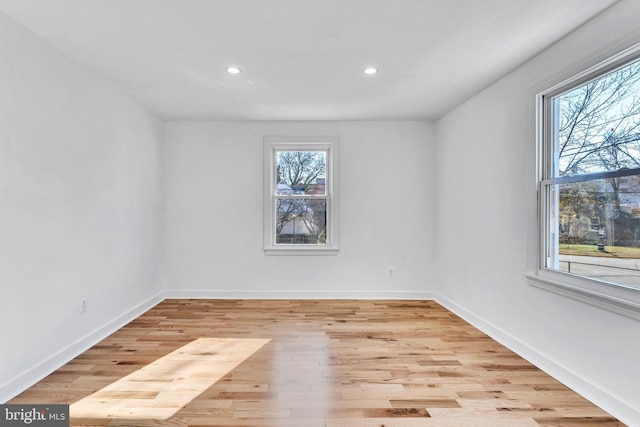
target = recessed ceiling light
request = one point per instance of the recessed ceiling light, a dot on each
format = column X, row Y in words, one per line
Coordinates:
column 370, row 70
column 233, row 70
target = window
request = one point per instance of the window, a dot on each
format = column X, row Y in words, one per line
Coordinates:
column 589, row 186
column 301, row 195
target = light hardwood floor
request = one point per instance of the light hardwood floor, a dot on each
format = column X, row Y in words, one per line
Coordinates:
column 308, row 363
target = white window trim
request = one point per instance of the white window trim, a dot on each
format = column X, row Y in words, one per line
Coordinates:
column 304, row 143
column 617, row 298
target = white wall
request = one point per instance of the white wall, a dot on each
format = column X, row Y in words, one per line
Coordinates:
column 81, row 208
column 82, row 214
column 214, row 212
column 485, row 208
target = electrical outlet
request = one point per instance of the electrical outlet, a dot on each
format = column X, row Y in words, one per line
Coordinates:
column 391, row 273
column 83, row 305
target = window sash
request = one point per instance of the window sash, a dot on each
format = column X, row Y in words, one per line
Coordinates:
column 301, row 147
column 591, row 176
column 300, row 196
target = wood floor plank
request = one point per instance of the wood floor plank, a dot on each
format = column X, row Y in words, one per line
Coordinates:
column 160, row 389
column 328, row 363
column 431, row 422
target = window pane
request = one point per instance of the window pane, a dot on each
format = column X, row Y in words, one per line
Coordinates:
column 595, row 229
column 301, row 172
column 301, row 221
column 597, row 125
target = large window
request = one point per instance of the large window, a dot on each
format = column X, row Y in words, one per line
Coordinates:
column 300, row 202
column 589, row 194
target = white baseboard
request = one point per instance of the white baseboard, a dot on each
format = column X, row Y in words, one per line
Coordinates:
column 24, row 380
column 297, row 294
column 614, row 405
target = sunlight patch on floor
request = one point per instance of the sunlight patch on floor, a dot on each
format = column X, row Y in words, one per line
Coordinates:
column 160, row 389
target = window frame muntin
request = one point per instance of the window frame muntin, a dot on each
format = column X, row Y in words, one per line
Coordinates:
column 614, row 297
column 329, row 144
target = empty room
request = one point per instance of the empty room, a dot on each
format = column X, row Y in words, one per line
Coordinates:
column 339, row 213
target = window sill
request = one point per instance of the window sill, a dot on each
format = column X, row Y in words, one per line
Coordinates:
column 297, row 251
column 619, row 299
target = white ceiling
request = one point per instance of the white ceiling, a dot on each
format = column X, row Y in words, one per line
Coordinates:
column 301, row 59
